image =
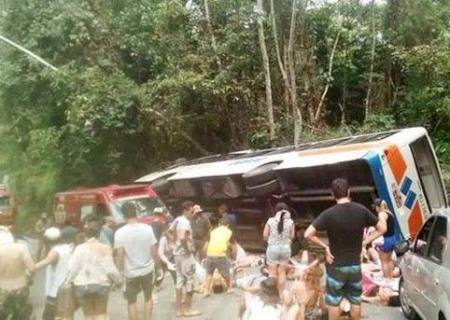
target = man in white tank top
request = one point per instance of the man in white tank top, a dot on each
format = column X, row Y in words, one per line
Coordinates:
column 57, row 263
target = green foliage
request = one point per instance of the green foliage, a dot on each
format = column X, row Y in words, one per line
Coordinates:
column 139, row 83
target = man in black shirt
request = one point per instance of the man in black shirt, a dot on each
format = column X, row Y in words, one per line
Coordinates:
column 344, row 224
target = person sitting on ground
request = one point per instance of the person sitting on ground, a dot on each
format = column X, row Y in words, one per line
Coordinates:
column 92, row 272
column 262, row 302
column 136, row 254
column 16, row 264
column 57, row 264
column 219, row 244
column 279, row 232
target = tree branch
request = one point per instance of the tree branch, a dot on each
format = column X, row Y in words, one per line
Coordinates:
column 329, row 73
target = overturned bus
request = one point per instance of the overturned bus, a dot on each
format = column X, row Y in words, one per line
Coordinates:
column 398, row 166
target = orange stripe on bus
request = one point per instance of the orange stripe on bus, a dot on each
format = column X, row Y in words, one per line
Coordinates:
column 396, row 162
column 415, row 220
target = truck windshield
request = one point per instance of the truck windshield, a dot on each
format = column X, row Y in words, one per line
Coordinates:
column 145, row 206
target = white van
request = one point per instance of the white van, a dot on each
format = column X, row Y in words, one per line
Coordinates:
column 398, row 166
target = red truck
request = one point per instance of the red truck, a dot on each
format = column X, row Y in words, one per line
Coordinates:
column 108, row 201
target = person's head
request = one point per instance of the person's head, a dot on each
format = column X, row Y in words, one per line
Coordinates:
column 223, row 221
column 340, row 188
column 380, row 205
column 92, row 226
column 158, row 211
column 269, row 290
column 129, row 210
column 215, row 218
column 223, row 208
column 280, row 206
column 109, row 221
column 188, row 207
column 6, row 236
column 52, row 235
column 69, row 235
column 196, row 209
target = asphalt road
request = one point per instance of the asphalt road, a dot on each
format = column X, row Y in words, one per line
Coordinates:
column 217, row 307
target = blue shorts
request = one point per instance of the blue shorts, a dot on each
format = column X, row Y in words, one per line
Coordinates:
column 388, row 244
column 344, row 282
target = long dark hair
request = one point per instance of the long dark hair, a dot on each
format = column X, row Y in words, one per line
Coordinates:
column 284, row 208
column 281, row 222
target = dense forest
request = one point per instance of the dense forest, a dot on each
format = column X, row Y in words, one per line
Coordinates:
column 141, row 83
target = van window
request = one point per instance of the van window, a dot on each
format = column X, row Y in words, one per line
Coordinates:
column 85, row 210
column 421, row 243
column 428, row 173
column 438, row 240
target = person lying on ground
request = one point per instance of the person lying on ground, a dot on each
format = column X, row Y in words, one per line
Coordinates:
column 262, row 303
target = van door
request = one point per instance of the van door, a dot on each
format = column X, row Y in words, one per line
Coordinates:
column 414, row 276
column 429, row 174
column 432, row 267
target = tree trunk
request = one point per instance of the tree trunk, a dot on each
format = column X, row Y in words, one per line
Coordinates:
column 277, row 48
column 297, row 114
column 266, row 67
column 372, row 58
column 211, row 33
column 329, row 74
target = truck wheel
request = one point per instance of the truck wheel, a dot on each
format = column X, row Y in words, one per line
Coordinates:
column 261, row 174
column 271, row 187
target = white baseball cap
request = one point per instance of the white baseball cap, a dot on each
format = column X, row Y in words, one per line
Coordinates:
column 52, row 234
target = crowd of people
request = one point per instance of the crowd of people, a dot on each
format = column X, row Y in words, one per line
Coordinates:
column 200, row 253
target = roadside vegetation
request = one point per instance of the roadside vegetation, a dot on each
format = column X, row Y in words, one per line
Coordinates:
column 141, row 83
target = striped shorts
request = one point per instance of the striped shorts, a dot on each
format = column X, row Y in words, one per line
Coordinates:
column 344, row 282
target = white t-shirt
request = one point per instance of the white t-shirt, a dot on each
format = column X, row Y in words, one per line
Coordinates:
column 180, row 225
column 136, row 239
column 258, row 310
column 57, row 273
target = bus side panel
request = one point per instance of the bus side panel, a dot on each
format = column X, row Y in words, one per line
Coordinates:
column 381, row 177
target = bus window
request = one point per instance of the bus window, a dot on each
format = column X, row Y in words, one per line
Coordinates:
column 428, row 173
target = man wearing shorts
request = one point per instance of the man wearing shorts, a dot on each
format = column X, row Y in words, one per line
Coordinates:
column 184, row 261
column 136, row 249
column 344, row 224
column 217, row 255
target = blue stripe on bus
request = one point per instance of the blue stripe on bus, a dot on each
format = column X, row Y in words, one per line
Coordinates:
column 406, row 186
column 376, row 166
column 410, row 199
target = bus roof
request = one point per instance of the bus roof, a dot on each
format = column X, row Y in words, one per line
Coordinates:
column 305, row 155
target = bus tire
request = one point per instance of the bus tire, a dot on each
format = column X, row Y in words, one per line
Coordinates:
column 260, row 175
column 271, row 187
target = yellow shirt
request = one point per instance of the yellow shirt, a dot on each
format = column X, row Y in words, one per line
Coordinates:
column 218, row 242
